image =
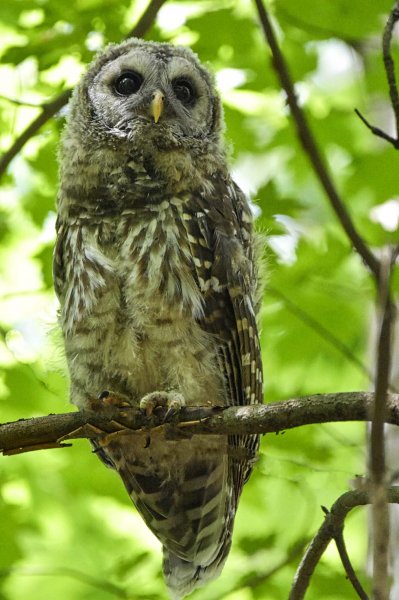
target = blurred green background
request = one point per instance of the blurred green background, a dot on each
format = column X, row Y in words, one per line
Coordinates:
column 67, row 529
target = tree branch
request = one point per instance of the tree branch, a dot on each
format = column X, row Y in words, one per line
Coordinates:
column 379, row 510
column 48, row 110
column 391, row 79
column 54, row 106
column 389, row 64
column 377, row 131
column 310, row 147
column 331, row 528
column 51, row 431
column 146, row 19
column 349, row 570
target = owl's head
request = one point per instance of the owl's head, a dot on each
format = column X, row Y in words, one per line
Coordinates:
column 151, row 93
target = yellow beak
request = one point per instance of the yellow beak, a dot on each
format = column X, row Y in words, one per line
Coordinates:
column 157, row 105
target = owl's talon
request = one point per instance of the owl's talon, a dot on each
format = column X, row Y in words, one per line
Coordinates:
column 172, row 400
column 174, row 406
column 152, row 401
column 114, row 399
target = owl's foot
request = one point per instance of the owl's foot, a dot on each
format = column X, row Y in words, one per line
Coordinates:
column 114, row 399
column 173, row 401
column 109, row 403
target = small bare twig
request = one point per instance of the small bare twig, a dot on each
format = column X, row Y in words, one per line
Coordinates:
column 54, row 106
column 310, row 147
column 313, row 29
column 95, row 582
column 391, row 79
column 332, row 526
column 21, row 102
column 316, row 326
column 48, row 110
column 146, row 19
column 253, row 581
column 379, row 510
column 377, row 131
column 51, row 431
column 389, row 64
column 349, row 570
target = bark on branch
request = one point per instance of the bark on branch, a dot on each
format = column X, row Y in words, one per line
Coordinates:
column 330, row 529
column 310, row 146
column 389, row 65
column 53, row 430
column 377, row 467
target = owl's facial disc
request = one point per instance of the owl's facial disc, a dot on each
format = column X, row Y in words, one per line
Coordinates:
column 147, row 94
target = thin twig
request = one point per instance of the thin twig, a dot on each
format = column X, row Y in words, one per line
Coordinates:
column 389, row 64
column 377, row 131
column 32, row 434
column 48, row 110
column 310, row 147
column 350, row 572
column 377, row 468
column 21, row 102
column 253, row 581
column 100, row 584
column 51, row 108
column 331, row 526
column 391, row 79
column 316, row 326
column 323, row 332
column 312, row 29
column 146, row 19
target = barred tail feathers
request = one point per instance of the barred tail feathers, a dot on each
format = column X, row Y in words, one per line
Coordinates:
column 184, row 492
column 182, row 577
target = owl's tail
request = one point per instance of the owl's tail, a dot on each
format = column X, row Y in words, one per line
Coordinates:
column 182, row 577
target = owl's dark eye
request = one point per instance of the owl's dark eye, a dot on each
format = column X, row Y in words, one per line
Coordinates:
column 184, row 91
column 128, row 83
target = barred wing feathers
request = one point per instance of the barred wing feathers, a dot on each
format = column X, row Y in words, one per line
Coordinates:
column 221, row 238
column 219, row 230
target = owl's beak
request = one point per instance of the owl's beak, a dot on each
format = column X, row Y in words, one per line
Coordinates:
column 157, row 105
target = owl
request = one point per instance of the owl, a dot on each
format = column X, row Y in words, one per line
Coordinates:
column 155, row 273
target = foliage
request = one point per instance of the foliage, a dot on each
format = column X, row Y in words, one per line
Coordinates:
column 67, row 527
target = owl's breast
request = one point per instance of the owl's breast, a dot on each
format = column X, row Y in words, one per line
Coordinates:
column 143, row 315
column 157, row 263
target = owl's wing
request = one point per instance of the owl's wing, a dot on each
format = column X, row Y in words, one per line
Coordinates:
column 222, row 245
column 59, row 259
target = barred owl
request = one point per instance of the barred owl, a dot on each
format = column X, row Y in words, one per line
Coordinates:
column 156, row 278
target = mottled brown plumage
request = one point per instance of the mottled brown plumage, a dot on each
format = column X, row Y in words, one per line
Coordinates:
column 155, row 274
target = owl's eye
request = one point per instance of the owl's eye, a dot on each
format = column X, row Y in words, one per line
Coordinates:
column 184, row 91
column 128, row 83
